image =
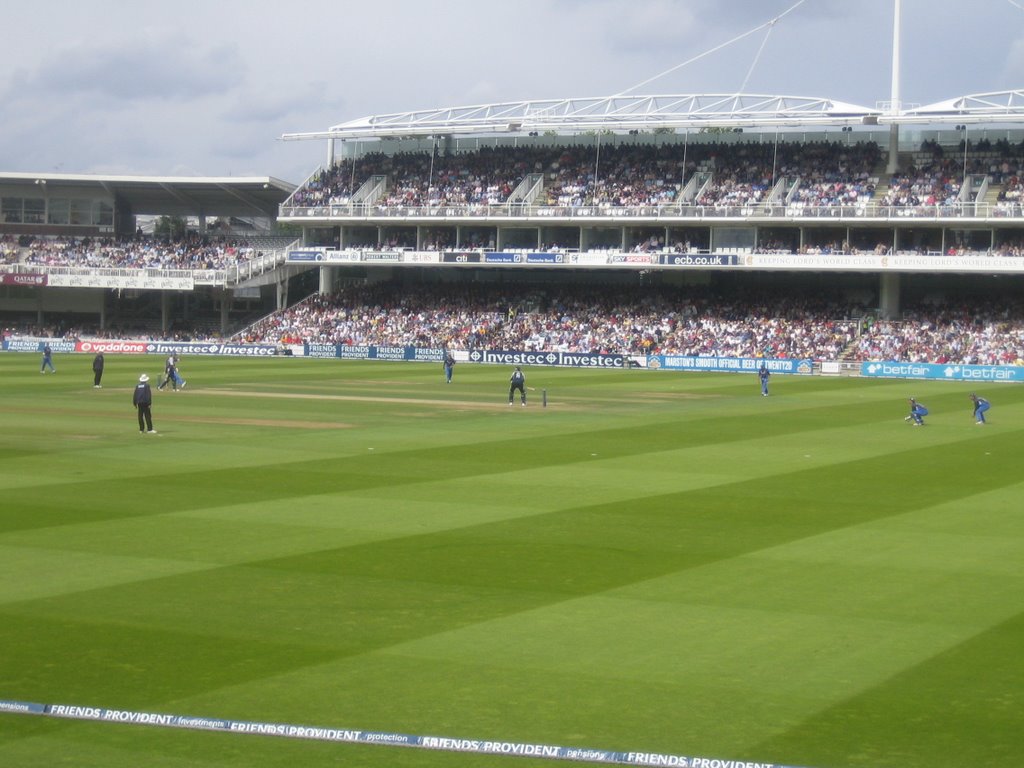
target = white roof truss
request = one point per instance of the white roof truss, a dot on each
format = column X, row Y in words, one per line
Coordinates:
column 617, row 113
column 688, row 111
column 994, row 107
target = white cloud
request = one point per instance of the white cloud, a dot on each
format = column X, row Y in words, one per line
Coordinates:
column 211, row 86
column 158, row 70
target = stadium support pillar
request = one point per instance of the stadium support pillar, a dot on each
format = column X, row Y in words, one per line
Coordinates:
column 894, row 149
column 330, row 153
column 889, row 296
column 282, row 293
column 327, row 275
column 226, row 296
column 894, row 99
column 165, row 311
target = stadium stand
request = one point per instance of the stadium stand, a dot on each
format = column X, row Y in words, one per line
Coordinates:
column 826, row 196
column 799, row 176
column 140, row 252
column 739, row 320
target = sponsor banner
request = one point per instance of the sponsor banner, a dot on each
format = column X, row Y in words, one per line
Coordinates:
column 563, row 359
column 946, row 372
column 587, row 259
column 422, row 257
column 461, row 258
column 17, row 278
column 36, row 344
column 389, row 353
column 209, row 277
column 140, row 347
column 910, row 262
column 142, row 282
column 905, row 262
column 372, row 352
column 497, row 357
column 352, row 352
column 211, row 348
column 426, row 355
column 323, row 255
column 22, row 707
column 311, row 254
column 392, row 256
column 634, row 258
column 730, row 364
column 243, row 350
column 545, row 258
column 321, row 350
column 701, row 259
column 381, row 738
column 504, row 258
column 342, row 257
column 112, row 346
column 848, row 261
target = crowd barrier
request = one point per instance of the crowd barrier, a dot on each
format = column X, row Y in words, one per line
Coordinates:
column 558, row 359
column 380, row 738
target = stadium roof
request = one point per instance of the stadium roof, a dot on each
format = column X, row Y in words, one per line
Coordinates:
column 993, row 107
column 170, row 195
column 691, row 111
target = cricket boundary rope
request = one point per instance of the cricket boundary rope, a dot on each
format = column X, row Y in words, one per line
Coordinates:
column 383, row 738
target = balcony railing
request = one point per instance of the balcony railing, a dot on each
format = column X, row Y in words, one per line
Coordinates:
column 664, row 212
column 223, row 276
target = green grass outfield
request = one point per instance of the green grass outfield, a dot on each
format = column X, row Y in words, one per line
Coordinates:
column 656, row 562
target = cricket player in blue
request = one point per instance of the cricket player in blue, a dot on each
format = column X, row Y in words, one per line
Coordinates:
column 917, row 413
column 980, row 406
column 449, row 364
column 47, row 360
column 517, row 381
column 763, row 375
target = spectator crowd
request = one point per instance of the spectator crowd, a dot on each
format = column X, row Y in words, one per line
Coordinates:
column 615, row 176
column 192, row 252
column 634, row 321
column 740, row 323
column 715, row 175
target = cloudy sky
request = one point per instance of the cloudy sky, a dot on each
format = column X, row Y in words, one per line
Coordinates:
column 207, row 88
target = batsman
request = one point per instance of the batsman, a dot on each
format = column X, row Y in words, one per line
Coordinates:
column 517, row 382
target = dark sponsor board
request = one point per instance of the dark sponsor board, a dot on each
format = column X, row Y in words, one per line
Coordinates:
column 562, row 359
column 22, row 279
column 700, row 259
column 730, row 364
column 460, row 258
column 305, row 255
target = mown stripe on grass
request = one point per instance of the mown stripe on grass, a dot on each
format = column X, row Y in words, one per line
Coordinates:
column 61, row 503
column 74, row 657
column 966, row 701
